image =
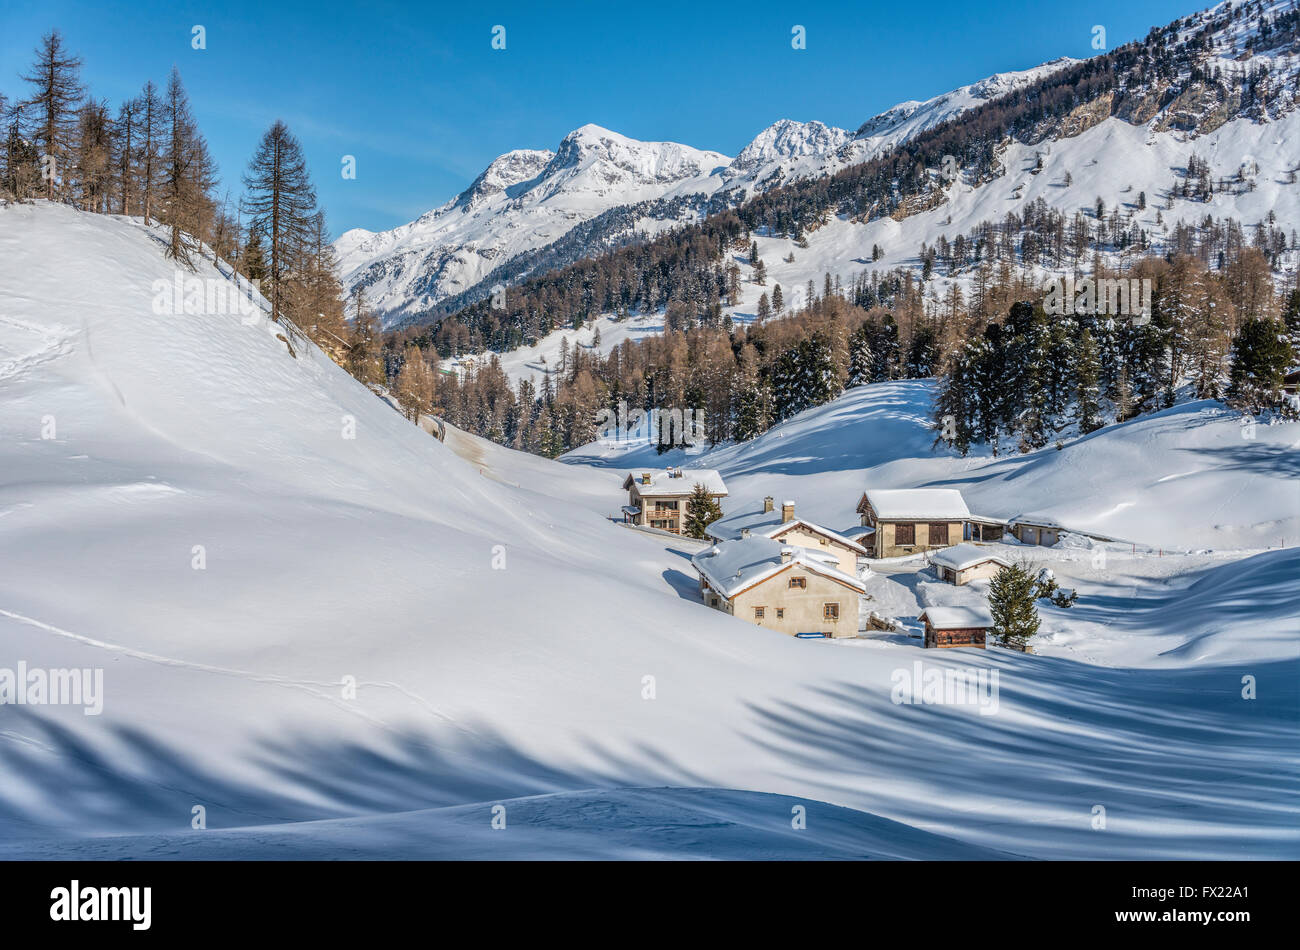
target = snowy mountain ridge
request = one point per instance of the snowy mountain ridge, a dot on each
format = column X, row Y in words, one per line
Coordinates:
column 528, row 198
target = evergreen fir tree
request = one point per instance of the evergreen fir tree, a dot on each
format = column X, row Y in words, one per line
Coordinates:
column 752, row 412
column 954, row 404
column 861, row 359
column 1260, row 356
column 1291, row 318
column 701, row 511
column 1087, row 390
column 1011, row 602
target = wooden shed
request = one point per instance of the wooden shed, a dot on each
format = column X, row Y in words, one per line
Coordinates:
column 1036, row 529
column 956, row 627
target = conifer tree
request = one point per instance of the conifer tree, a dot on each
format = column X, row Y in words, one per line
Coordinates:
column 752, row 410
column 1087, row 391
column 52, row 107
column 93, row 157
column 1260, row 356
column 701, row 511
column 188, row 171
column 861, row 359
column 1291, row 319
column 954, row 406
column 151, row 139
column 1011, row 602
column 281, row 201
column 125, row 146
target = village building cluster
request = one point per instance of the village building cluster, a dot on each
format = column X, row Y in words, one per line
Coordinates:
column 787, row 573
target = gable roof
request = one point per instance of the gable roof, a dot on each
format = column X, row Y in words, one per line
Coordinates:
column 735, row 566
column 956, row 618
column 961, row 556
column 675, row 481
column 916, row 504
column 768, row 524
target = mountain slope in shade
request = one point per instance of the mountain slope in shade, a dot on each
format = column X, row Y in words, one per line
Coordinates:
column 527, row 199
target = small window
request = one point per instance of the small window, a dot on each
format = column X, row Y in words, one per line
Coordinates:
column 905, row 534
column 780, row 613
column 799, row 582
column 830, row 611
column 758, row 612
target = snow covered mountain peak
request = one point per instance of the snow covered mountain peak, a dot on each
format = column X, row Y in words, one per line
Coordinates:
column 598, row 156
column 516, row 167
column 786, row 139
column 528, row 199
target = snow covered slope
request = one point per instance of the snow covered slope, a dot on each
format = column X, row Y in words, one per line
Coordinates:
column 1114, row 161
column 237, row 536
column 1191, row 477
column 526, row 199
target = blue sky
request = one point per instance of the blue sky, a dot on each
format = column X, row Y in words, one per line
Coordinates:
column 417, row 94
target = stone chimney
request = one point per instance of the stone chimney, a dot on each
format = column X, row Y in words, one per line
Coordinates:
column 768, row 504
column 786, row 554
column 787, row 511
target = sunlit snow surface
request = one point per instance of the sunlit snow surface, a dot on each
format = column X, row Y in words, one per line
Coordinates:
column 524, row 683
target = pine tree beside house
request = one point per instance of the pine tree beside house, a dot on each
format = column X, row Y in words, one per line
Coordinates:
column 701, row 511
column 1011, row 603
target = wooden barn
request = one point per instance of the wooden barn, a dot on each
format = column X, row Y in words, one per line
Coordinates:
column 956, row 627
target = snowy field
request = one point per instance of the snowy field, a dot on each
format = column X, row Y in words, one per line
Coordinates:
column 237, row 536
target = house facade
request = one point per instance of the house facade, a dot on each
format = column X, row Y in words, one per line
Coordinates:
column 657, row 499
column 783, row 526
column 947, row 627
column 911, row 520
column 781, row 587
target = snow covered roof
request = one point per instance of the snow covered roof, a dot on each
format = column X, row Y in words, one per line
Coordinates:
column 961, row 556
column 955, row 618
column 675, row 481
column 733, row 566
column 985, row 519
column 917, row 504
column 767, row 524
column 1041, row 520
